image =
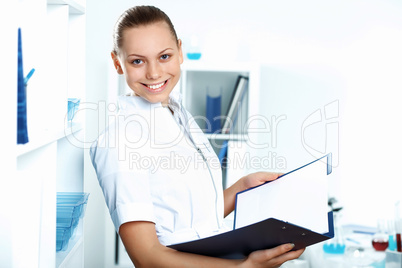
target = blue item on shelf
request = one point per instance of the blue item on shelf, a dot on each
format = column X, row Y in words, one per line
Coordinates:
column 70, row 208
column 62, row 238
column 68, row 216
column 334, row 248
column 223, row 152
column 22, row 128
column 391, row 242
column 194, row 56
column 77, row 201
column 213, row 113
column 29, row 75
column 72, row 107
column 72, row 198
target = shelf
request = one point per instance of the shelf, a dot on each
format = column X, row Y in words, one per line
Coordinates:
column 200, row 80
column 75, row 6
column 53, row 34
column 45, row 137
column 64, row 257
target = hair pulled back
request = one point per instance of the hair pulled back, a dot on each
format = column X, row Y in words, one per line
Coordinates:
column 139, row 16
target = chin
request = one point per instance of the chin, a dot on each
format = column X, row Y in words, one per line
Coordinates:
column 157, row 99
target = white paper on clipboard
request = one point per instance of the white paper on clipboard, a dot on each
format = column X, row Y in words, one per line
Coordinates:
column 299, row 197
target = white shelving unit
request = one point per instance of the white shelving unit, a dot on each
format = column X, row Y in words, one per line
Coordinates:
column 197, row 79
column 8, row 69
column 53, row 42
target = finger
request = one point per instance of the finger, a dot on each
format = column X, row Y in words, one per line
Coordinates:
column 273, row 176
column 280, row 174
column 287, row 256
column 273, row 257
column 285, row 248
column 277, row 251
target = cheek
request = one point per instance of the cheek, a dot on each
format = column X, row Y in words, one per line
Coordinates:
column 174, row 67
column 133, row 75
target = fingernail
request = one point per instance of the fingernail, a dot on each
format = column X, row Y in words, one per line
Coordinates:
column 290, row 246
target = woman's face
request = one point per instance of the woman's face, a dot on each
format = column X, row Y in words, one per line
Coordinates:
column 150, row 60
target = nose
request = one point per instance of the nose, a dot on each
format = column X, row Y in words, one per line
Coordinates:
column 154, row 71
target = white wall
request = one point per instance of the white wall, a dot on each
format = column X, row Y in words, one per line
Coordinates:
column 8, row 112
column 343, row 55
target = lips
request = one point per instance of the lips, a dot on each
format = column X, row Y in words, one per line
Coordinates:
column 156, row 87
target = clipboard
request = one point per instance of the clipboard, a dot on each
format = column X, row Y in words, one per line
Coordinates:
column 265, row 234
column 299, row 197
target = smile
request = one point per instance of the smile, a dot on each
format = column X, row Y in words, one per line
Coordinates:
column 156, row 87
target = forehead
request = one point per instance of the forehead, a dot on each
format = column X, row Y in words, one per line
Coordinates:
column 150, row 38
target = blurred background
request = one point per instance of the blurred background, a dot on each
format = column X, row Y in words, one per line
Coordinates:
column 329, row 81
column 344, row 57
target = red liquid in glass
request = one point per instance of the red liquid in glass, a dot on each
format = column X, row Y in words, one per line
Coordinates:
column 398, row 242
column 380, row 245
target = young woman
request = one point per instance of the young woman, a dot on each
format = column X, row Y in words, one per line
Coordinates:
column 159, row 175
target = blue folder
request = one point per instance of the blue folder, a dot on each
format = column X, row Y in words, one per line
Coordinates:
column 266, row 234
column 213, row 114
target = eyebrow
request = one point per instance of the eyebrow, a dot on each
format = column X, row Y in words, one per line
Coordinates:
column 140, row 56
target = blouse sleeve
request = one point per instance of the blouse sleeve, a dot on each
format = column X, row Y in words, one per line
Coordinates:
column 126, row 190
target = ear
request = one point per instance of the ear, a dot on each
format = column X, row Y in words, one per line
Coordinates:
column 179, row 44
column 116, row 63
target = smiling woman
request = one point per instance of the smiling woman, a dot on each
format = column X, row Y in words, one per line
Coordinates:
column 153, row 206
column 151, row 67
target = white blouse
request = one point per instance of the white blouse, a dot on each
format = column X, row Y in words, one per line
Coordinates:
column 156, row 166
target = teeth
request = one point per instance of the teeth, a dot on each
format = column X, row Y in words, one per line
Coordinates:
column 156, row 86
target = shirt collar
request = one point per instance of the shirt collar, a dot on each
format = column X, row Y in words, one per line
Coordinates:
column 175, row 100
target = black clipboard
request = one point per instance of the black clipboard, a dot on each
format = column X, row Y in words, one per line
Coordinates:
column 269, row 233
column 266, row 234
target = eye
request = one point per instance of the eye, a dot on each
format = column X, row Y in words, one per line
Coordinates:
column 165, row 56
column 137, row 62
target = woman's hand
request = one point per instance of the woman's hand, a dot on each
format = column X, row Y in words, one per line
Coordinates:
column 258, row 178
column 144, row 249
column 247, row 182
column 271, row 258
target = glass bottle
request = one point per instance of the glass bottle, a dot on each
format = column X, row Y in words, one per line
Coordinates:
column 380, row 238
column 194, row 49
column 391, row 235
